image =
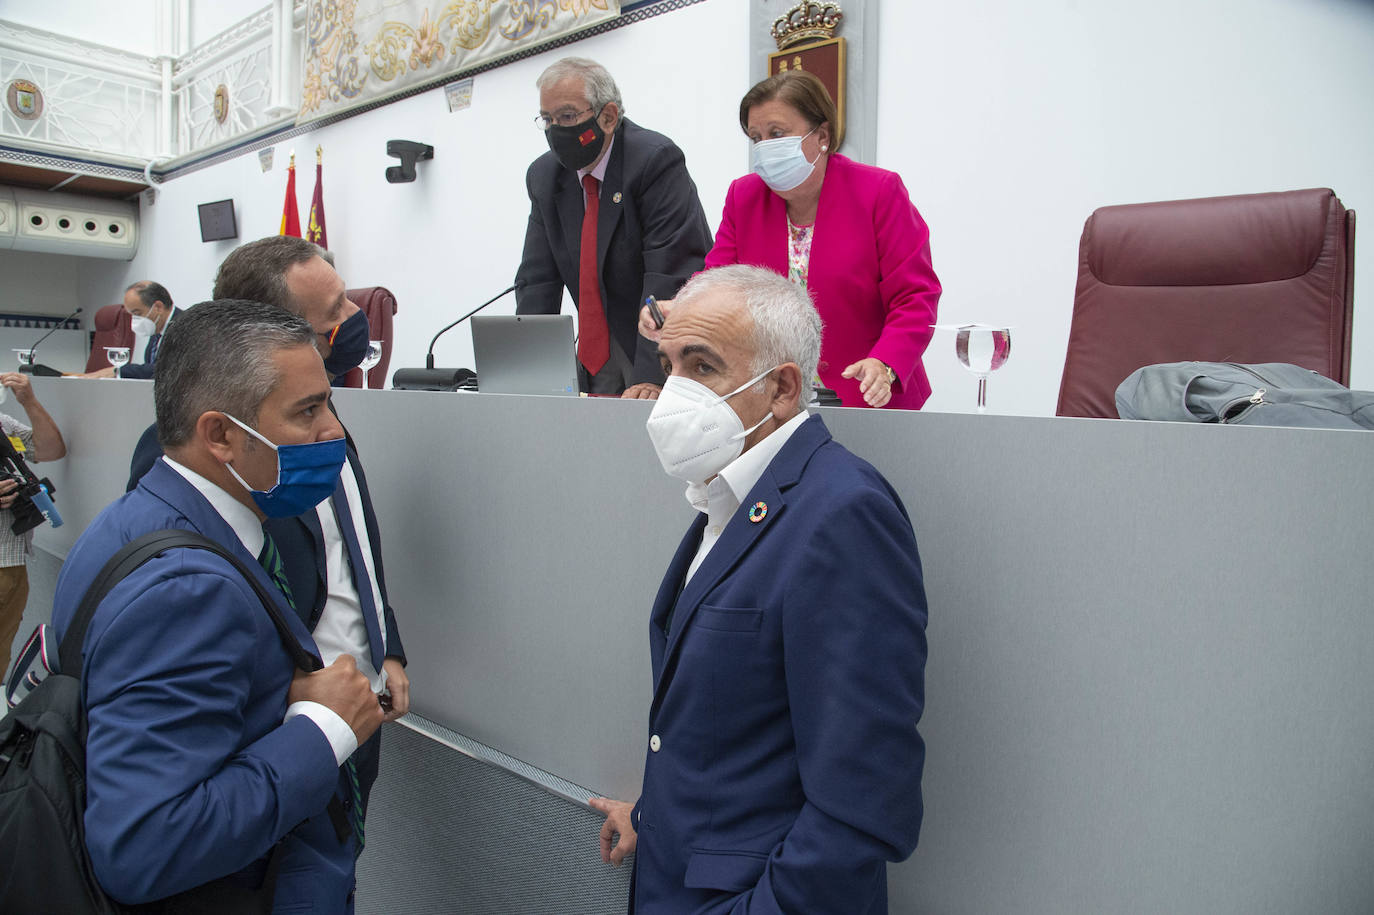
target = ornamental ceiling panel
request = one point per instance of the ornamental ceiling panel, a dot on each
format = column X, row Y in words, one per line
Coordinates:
column 360, row 51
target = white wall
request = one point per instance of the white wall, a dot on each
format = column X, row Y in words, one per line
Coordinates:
column 128, row 25
column 1010, row 123
column 41, row 283
column 210, row 17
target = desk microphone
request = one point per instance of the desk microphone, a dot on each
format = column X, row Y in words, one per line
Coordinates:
column 35, row 368
column 431, row 379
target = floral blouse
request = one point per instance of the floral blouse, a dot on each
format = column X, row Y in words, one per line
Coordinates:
column 798, row 252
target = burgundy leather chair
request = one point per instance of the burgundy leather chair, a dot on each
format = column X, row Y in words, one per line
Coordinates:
column 112, row 328
column 379, row 305
column 1251, row 278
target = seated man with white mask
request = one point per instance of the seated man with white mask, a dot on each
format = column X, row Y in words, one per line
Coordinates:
column 783, row 764
column 150, row 307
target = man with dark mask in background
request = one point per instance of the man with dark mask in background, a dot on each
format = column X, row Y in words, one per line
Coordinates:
column 614, row 217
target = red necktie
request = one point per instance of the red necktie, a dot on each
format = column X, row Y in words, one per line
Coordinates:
column 593, row 340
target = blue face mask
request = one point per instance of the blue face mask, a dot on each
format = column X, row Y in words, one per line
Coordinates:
column 306, row 475
column 348, row 345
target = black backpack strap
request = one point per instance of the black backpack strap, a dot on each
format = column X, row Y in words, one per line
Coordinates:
column 134, row 554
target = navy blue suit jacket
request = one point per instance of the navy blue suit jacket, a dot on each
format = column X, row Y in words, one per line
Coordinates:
column 145, row 369
column 301, row 544
column 784, row 764
column 191, row 774
column 651, row 235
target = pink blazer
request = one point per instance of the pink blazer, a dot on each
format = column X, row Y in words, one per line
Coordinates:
column 870, row 273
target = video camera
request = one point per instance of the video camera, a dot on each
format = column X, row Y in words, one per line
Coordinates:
column 33, row 499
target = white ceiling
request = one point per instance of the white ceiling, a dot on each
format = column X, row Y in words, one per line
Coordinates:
column 130, row 25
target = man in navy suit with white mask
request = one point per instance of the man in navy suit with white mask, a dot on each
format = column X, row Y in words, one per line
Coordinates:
column 150, row 308
column 783, row 765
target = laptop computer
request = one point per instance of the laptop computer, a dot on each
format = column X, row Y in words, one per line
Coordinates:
column 525, row 354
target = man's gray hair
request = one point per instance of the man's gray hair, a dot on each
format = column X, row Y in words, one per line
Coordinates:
column 218, row 356
column 601, row 89
column 786, row 325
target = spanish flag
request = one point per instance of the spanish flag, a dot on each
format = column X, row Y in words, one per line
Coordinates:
column 314, row 229
column 290, row 212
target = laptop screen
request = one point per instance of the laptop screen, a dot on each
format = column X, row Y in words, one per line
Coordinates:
column 525, row 354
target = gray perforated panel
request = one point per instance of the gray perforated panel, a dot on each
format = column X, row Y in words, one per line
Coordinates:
column 447, row 832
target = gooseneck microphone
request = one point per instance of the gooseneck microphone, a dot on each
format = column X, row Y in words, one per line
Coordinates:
column 431, row 379
column 429, row 355
column 35, row 368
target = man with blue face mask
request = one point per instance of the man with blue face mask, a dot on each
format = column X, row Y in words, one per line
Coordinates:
column 208, row 754
column 331, row 552
column 614, row 217
column 783, row 765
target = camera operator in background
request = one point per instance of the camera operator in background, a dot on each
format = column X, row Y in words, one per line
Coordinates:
column 39, row 441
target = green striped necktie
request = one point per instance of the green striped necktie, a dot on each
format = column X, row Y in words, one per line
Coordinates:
column 271, row 562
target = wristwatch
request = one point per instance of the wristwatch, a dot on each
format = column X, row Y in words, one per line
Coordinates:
column 891, row 376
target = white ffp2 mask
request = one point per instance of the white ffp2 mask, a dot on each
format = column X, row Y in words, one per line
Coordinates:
column 694, row 431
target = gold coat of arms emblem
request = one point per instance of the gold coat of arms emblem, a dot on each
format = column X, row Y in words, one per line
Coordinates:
column 25, row 100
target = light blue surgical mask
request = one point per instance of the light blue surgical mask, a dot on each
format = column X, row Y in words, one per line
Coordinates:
column 306, row 475
column 781, row 163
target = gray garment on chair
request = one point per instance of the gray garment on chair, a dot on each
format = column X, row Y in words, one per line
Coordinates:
column 1267, row 394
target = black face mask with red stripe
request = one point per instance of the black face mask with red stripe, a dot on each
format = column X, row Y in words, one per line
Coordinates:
column 577, row 146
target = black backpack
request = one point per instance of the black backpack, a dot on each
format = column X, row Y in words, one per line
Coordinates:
column 44, row 864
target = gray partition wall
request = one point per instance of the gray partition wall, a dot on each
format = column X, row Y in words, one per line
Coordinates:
column 1149, row 686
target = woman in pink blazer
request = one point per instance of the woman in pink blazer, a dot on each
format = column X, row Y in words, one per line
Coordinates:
column 846, row 231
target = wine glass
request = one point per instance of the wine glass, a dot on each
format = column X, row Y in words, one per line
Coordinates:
column 983, row 350
column 118, row 356
column 25, row 357
column 370, row 358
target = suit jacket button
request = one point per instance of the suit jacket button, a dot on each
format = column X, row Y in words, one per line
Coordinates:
column 655, row 743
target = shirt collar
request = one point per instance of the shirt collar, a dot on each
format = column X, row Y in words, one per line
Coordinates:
column 599, row 173
column 740, row 475
column 238, row 516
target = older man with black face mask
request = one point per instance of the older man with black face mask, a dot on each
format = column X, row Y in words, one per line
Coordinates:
column 783, row 764
column 614, row 217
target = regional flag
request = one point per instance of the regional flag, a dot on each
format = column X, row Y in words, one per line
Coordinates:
column 314, row 229
column 290, row 212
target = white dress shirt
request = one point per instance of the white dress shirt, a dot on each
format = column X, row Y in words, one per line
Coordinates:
column 720, row 497
column 341, row 628
column 249, row 530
